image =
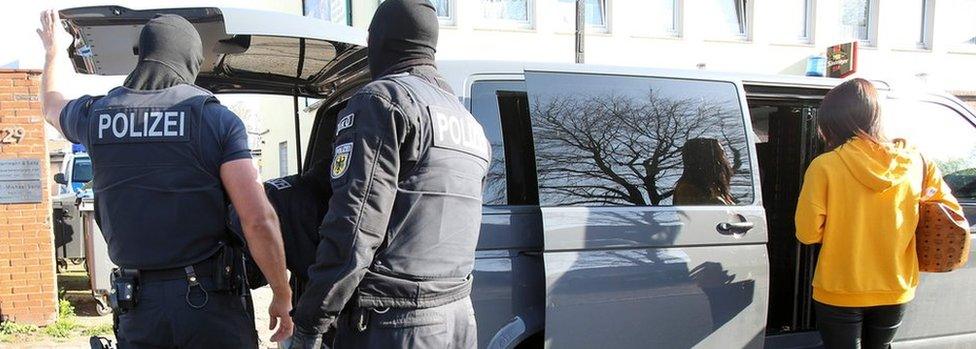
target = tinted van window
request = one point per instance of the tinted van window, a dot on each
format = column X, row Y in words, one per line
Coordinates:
column 485, row 108
column 942, row 135
column 620, row 140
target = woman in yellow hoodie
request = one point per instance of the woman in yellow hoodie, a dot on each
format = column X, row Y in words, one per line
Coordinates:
column 860, row 202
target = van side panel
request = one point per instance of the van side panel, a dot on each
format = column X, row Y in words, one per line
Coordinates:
column 617, row 281
column 509, row 291
column 508, row 283
column 945, row 132
column 944, row 305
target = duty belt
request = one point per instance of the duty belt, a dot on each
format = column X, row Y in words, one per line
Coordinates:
column 126, row 283
column 201, row 269
column 225, row 267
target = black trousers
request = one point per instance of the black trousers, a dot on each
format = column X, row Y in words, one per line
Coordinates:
column 163, row 318
column 862, row 327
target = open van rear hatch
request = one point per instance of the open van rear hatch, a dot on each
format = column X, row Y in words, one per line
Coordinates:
column 245, row 51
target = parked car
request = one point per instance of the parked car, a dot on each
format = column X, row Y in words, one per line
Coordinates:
column 76, row 172
column 582, row 244
column 73, row 179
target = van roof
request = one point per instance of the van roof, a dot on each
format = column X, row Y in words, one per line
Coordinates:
column 464, row 68
column 458, row 74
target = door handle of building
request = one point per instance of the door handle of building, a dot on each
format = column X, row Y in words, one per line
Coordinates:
column 734, row 228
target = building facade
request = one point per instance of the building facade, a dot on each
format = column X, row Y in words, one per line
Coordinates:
column 28, row 292
column 928, row 42
column 933, row 41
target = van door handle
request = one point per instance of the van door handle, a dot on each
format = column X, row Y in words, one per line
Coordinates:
column 734, row 228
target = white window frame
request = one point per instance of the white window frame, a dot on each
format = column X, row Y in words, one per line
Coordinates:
column 928, row 23
column 283, row 158
column 745, row 36
column 872, row 39
column 341, row 4
column 605, row 27
column 677, row 19
column 507, row 24
column 810, row 18
column 809, row 29
column 923, row 40
column 591, row 29
column 451, row 19
column 966, row 47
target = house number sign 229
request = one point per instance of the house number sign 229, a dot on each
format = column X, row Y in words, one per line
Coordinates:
column 11, row 135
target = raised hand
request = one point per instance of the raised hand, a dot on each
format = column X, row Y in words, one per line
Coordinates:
column 49, row 32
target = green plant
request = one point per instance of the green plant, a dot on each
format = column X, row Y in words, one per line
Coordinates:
column 61, row 329
column 100, row 330
column 10, row 330
column 65, row 309
column 65, row 325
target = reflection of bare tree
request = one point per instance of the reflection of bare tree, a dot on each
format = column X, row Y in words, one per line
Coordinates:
column 615, row 149
column 495, row 184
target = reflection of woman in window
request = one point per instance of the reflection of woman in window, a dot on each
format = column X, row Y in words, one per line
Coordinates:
column 707, row 174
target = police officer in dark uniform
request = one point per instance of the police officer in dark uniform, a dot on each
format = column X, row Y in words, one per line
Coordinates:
column 393, row 268
column 300, row 201
column 166, row 156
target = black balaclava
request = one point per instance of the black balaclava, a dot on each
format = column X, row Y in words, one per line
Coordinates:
column 403, row 34
column 170, row 53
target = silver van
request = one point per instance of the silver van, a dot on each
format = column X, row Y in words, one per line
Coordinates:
column 588, row 239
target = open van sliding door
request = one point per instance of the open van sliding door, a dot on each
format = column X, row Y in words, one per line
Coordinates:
column 784, row 120
column 638, row 252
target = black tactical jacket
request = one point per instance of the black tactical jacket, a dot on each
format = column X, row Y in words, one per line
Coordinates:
column 404, row 217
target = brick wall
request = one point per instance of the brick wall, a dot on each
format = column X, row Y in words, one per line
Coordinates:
column 27, row 276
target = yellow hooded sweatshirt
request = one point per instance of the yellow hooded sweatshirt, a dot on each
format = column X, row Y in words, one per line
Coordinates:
column 860, row 201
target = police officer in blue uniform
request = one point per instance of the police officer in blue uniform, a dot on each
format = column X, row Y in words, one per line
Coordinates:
column 393, row 267
column 166, row 157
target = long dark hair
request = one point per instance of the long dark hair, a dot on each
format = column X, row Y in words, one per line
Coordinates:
column 706, row 167
column 850, row 110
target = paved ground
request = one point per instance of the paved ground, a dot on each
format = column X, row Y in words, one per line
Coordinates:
column 262, row 298
column 74, row 283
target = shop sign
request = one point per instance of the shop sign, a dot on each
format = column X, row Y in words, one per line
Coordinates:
column 842, row 60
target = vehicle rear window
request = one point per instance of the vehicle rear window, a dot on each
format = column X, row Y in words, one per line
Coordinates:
column 281, row 56
column 639, row 141
column 81, row 172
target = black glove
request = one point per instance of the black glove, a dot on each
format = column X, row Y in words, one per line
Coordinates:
column 305, row 340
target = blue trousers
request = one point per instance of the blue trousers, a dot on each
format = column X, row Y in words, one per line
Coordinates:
column 164, row 318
